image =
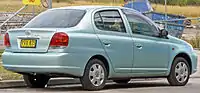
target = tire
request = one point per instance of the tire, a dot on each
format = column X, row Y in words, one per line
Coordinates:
column 180, row 72
column 95, row 71
column 37, row 81
column 123, row 81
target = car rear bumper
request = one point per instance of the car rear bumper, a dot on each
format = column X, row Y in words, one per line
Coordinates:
column 63, row 63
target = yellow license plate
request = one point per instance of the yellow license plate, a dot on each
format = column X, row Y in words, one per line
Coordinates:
column 27, row 43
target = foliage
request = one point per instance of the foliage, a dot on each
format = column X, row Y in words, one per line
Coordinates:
column 194, row 41
column 67, row 1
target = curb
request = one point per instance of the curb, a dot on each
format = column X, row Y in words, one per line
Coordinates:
column 195, row 76
column 20, row 83
column 52, row 82
column 11, row 83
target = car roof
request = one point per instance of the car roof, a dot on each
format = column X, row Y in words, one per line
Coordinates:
column 86, row 7
column 89, row 7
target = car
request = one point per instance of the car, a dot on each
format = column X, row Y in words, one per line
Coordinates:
column 96, row 44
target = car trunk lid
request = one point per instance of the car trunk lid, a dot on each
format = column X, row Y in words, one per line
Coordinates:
column 30, row 40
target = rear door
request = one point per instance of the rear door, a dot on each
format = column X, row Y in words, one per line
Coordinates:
column 116, row 41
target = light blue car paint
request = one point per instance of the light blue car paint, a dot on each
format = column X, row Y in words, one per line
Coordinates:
column 124, row 57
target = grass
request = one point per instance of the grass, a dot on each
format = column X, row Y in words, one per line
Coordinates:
column 6, row 6
column 7, row 75
column 188, row 11
column 194, row 41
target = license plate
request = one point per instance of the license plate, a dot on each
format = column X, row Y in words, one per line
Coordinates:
column 28, row 43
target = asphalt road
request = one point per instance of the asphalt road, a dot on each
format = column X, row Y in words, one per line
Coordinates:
column 153, row 86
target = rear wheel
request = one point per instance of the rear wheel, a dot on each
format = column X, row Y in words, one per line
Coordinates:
column 36, row 81
column 95, row 75
column 180, row 72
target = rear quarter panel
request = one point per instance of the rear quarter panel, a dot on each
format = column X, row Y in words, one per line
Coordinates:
column 84, row 43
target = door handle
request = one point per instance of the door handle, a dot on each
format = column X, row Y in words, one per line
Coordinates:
column 107, row 44
column 139, row 46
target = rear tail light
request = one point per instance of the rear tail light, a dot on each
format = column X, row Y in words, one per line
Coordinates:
column 59, row 39
column 6, row 40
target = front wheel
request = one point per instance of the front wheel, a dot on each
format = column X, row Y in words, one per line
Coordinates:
column 36, row 81
column 95, row 75
column 180, row 72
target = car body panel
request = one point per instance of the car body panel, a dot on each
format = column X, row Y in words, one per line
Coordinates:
column 43, row 37
column 152, row 57
column 86, row 41
column 76, row 56
column 120, row 56
column 148, row 58
column 181, row 46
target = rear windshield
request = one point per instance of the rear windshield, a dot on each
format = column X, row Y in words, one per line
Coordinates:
column 60, row 18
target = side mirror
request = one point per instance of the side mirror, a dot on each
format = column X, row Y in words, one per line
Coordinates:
column 163, row 33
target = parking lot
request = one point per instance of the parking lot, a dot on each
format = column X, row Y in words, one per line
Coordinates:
column 153, row 86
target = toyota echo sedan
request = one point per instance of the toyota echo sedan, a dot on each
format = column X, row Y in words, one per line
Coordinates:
column 95, row 44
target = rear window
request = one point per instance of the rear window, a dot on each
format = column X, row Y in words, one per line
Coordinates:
column 60, row 18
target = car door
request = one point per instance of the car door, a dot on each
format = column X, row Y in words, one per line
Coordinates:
column 116, row 41
column 151, row 53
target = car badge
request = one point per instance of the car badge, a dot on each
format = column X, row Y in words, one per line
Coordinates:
column 28, row 33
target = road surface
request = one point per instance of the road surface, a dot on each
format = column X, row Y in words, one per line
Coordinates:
column 153, row 86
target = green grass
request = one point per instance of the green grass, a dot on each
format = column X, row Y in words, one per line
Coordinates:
column 7, row 75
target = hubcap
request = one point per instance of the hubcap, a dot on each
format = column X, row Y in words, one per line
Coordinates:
column 96, row 75
column 181, row 72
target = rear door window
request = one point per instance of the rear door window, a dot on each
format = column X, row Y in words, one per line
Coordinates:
column 109, row 20
column 59, row 18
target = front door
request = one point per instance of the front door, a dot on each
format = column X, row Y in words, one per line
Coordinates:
column 151, row 53
column 116, row 41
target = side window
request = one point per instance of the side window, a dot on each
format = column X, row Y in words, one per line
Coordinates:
column 109, row 20
column 140, row 25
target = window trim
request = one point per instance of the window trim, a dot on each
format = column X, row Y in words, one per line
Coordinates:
column 125, row 31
